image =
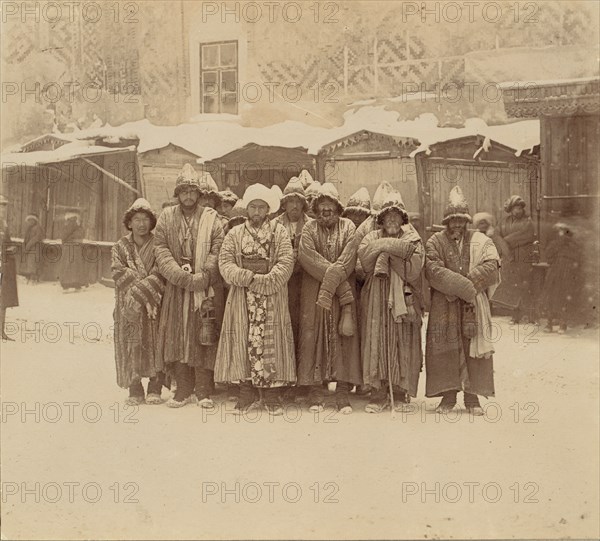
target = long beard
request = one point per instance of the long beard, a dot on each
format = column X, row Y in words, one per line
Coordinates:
column 191, row 207
column 257, row 222
column 457, row 234
column 327, row 221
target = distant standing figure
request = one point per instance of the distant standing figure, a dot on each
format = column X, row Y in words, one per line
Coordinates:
column 8, row 269
column 517, row 232
column 562, row 280
column 73, row 272
column 31, row 257
column 484, row 223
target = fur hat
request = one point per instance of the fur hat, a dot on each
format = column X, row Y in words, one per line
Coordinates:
column 327, row 191
column 32, row 217
column 139, row 205
column 512, row 202
column 393, row 201
column 305, row 178
column 312, row 190
column 187, row 177
column 359, row 202
column 260, row 191
column 227, row 196
column 204, row 183
column 235, row 220
column 208, row 187
column 483, row 216
column 457, row 206
column 294, row 188
column 380, row 196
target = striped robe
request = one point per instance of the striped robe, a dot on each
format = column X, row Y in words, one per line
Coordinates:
column 171, row 334
column 447, row 362
column 232, row 354
column 383, row 340
column 135, row 332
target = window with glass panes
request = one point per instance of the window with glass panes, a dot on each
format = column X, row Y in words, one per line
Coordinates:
column 218, row 77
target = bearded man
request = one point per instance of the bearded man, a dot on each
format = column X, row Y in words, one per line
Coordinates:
column 188, row 237
column 329, row 346
column 256, row 347
column 463, row 271
column 391, row 308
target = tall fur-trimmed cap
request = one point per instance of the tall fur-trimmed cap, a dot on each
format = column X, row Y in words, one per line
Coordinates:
column 483, row 216
column 457, row 206
column 227, row 196
column 393, row 201
column 359, row 201
column 294, row 188
column 327, row 191
column 187, row 177
column 313, row 189
column 208, row 186
column 305, row 178
column 381, row 194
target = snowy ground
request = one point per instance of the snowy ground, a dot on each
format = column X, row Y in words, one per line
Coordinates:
column 77, row 465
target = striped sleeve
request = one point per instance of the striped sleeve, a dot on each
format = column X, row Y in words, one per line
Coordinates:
column 281, row 272
column 121, row 273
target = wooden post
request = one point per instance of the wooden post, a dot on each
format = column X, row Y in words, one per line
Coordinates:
column 111, row 176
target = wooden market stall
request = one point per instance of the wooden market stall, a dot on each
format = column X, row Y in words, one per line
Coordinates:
column 488, row 173
column 100, row 183
column 159, row 169
column 365, row 159
column 253, row 163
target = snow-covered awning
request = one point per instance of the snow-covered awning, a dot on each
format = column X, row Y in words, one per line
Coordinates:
column 69, row 151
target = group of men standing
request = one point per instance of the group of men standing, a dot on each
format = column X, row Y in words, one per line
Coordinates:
column 296, row 296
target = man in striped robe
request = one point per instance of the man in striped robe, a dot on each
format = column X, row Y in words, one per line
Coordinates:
column 138, row 292
column 188, row 238
column 256, row 347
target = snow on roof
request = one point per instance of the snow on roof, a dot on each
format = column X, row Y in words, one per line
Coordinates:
column 64, row 153
column 520, row 136
column 213, row 139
